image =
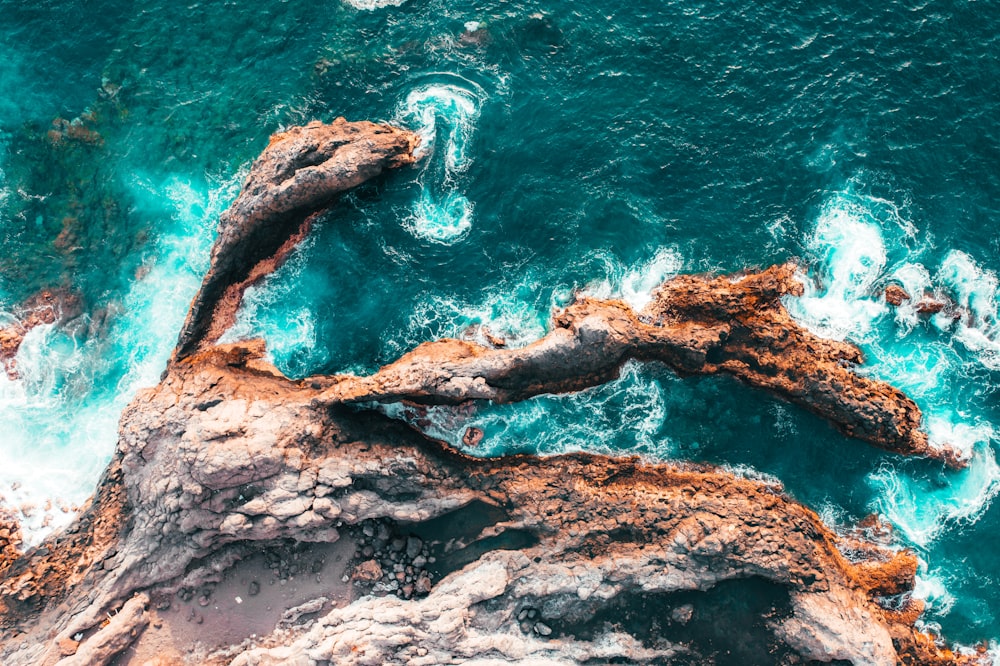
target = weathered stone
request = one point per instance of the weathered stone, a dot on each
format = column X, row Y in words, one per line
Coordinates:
column 188, row 450
column 695, row 324
column 368, row 571
column 895, row 295
column 928, row 305
column 682, row 614
column 413, row 546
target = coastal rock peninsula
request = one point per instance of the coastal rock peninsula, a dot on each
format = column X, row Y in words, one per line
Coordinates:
column 298, row 174
column 232, row 484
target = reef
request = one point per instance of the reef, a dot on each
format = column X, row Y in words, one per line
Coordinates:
column 449, row 558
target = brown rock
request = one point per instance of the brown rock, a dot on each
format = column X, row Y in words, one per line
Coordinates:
column 472, row 437
column 68, row 646
column 895, row 295
column 226, row 455
column 368, row 571
column 10, row 538
column 695, row 324
column 928, row 305
column 299, row 173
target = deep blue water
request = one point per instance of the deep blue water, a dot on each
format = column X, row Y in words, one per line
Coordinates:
column 570, row 146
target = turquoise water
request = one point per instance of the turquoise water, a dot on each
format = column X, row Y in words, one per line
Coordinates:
column 569, row 146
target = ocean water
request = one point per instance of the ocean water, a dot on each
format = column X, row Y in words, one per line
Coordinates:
column 569, row 146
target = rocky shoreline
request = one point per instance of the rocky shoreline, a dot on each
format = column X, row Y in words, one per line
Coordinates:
column 447, row 558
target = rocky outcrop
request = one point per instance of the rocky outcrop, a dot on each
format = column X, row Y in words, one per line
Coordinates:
column 226, row 453
column 695, row 324
column 561, row 560
column 10, row 538
column 299, row 173
column 895, row 295
column 45, row 307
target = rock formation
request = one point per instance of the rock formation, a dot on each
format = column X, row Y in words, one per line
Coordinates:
column 45, row 307
column 895, row 295
column 695, row 325
column 564, row 560
column 298, row 174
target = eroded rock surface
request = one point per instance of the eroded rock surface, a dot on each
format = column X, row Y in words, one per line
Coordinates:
column 298, row 174
column 562, row 560
column 696, row 325
column 226, row 452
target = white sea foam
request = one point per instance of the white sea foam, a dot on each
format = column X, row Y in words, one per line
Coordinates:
column 445, row 117
column 634, row 284
column 516, row 311
column 291, row 332
column 638, row 283
column 443, row 219
column 975, row 291
column 754, row 474
column 620, row 417
column 858, row 245
column 850, row 253
column 371, row 5
column 922, row 507
column 61, row 416
column 915, row 280
column 931, row 588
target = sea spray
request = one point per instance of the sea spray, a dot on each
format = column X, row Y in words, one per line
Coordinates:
column 270, row 310
column 634, row 283
column 623, row 416
column 860, row 243
column 62, row 414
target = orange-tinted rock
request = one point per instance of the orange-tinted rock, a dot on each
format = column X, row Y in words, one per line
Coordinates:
column 226, row 455
column 695, row 324
column 472, row 437
column 45, row 307
column 10, row 539
column 299, row 173
column 68, row 646
column 928, row 305
column 895, row 295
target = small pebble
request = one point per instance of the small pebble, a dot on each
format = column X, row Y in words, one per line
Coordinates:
column 413, row 546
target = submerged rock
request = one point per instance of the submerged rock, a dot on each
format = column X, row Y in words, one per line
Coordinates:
column 472, row 437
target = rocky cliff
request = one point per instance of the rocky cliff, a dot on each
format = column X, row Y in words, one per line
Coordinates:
column 232, row 484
